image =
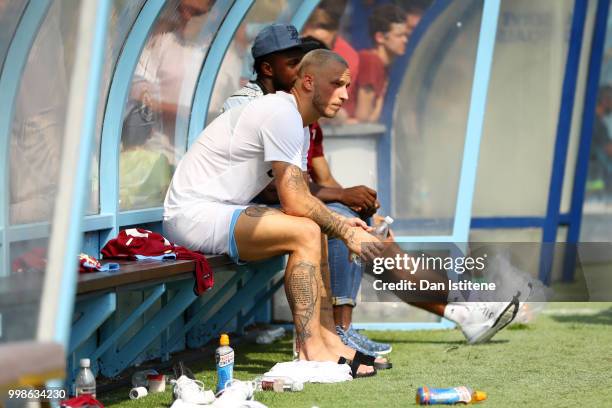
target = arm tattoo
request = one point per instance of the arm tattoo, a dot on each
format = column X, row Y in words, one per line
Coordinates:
column 331, row 224
column 295, row 179
column 302, row 291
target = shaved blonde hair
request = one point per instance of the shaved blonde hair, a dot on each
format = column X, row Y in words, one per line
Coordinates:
column 316, row 60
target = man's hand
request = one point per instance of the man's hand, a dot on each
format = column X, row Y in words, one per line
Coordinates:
column 361, row 198
column 358, row 222
column 362, row 243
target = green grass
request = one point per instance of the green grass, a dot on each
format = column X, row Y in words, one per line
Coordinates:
column 563, row 359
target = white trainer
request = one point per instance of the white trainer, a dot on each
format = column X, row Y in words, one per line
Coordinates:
column 192, row 391
column 485, row 319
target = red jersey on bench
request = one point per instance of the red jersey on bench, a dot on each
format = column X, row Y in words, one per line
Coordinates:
column 139, row 243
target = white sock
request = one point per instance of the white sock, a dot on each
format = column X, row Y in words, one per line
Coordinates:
column 456, row 312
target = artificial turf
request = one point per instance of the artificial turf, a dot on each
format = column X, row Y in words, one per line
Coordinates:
column 562, row 359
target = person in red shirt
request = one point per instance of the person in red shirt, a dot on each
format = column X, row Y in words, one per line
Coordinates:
column 387, row 26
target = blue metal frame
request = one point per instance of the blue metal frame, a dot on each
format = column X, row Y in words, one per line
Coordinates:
column 87, row 131
column 108, row 342
column 262, row 299
column 482, row 70
column 197, row 313
column 303, row 12
column 515, row 222
column 586, row 133
column 3, row 58
column 16, row 58
column 212, row 64
column 113, row 117
column 258, row 281
column 467, row 181
column 549, row 231
column 93, row 312
column 114, row 361
column 383, row 155
column 478, row 104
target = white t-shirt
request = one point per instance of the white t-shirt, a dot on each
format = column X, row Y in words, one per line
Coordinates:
column 230, row 162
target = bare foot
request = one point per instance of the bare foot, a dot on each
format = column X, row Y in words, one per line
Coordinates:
column 314, row 350
column 318, row 351
column 335, row 344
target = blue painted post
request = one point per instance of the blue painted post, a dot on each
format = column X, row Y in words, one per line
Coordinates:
column 57, row 298
column 303, row 12
column 478, row 104
column 212, row 64
column 549, row 233
column 59, row 290
column 10, row 80
column 467, row 181
column 586, row 132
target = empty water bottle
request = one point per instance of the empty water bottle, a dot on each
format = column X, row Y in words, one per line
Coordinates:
column 381, row 232
column 278, row 384
column 85, row 382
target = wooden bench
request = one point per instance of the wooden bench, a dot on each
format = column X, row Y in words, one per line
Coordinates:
column 145, row 271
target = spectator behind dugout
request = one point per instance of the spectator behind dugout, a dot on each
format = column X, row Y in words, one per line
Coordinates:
column 600, row 166
column 387, row 27
column 165, row 66
column 38, row 125
column 323, row 25
column 144, row 174
column 414, row 12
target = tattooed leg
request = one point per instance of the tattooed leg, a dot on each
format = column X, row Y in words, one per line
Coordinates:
column 302, row 286
column 328, row 325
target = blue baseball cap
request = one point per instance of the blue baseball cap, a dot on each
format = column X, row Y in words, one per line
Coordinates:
column 274, row 38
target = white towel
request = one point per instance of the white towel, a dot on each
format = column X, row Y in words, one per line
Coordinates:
column 311, row 371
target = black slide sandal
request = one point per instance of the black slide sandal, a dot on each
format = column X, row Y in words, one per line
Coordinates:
column 354, row 364
column 371, row 361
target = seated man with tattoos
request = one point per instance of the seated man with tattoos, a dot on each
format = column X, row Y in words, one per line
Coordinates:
column 277, row 52
column 235, row 157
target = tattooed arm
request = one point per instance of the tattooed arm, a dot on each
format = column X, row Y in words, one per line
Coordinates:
column 296, row 200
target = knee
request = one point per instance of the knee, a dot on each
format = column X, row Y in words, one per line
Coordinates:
column 307, row 234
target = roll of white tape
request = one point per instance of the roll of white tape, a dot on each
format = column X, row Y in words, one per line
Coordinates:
column 138, row 392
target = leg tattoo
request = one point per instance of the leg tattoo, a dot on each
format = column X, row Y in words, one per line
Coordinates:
column 302, row 292
column 254, row 211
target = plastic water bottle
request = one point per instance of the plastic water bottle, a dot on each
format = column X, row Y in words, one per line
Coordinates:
column 448, row 396
column 278, row 384
column 85, row 382
column 381, row 232
column 224, row 357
